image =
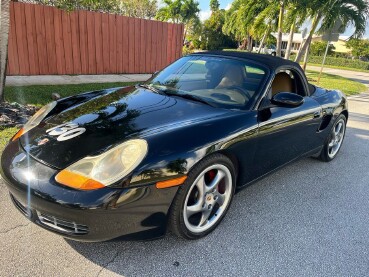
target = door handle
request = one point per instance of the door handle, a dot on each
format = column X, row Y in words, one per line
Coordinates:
column 317, row 114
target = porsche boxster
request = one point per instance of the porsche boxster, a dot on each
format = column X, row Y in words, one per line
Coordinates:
column 171, row 152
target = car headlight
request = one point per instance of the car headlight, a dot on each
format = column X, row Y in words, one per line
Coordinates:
column 106, row 169
column 35, row 119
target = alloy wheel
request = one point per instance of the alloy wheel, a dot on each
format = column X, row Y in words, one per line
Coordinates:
column 208, row 198
column 338, row 133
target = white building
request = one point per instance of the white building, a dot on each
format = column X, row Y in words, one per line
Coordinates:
column 340, row 45
column 296, row 43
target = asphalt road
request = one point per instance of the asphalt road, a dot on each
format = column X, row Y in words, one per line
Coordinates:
column 308, row 219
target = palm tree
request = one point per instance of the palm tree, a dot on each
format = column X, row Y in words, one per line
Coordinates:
column 280, row 27
column 179, row 11
column 240, row 19
column 171, row 11
column 214, row 5
column 137, row 8
column 296, row 15
column 328, row 12
column 4, row 37
column 189, row 11
column 212, row 30
column 265, row 22
column 245, row 17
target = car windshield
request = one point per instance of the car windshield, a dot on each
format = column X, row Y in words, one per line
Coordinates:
column 216, row 81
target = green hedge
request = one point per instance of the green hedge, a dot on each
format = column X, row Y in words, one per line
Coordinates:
column 339, row 62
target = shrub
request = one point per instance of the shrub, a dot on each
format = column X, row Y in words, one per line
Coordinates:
column 187, row 50
column 342, row 62
column 318, row 48
column 342, row 55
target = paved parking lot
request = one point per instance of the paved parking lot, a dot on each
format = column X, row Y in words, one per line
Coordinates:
column 309, row 219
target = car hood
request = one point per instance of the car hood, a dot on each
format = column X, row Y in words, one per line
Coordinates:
column 109, row 118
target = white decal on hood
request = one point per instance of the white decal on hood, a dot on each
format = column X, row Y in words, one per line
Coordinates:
column 66, row 131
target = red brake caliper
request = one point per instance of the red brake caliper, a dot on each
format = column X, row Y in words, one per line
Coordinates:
column 210, row 176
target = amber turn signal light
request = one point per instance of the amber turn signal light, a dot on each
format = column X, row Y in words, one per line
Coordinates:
column 18, row 135
column 76, row 181
column 171, row 183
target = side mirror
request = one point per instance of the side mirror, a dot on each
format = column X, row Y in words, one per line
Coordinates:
column 155, row 73
column 287, row 99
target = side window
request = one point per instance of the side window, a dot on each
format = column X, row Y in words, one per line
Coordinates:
column 287, row 81
column 254, row 72
column 253, row 77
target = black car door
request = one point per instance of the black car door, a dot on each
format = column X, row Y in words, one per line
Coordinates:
column 285, row 133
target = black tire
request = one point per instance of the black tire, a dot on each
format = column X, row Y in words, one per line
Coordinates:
column 177, row 224
column 325, row 155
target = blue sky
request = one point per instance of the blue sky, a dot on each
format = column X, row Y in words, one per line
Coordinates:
column 205, row 9
column 205, row 13
column 204, row 4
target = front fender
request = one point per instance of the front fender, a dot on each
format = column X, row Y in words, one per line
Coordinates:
column 174, row 153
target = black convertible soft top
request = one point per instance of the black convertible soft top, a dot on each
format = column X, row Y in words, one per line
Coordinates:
column 268, row 60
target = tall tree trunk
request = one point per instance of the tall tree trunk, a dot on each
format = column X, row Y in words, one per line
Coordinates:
column 249, row 44
column 243, row 44
column 184, row 35
column 4, row 37
column 309, row 38
column 280, row 29
column 306, row 56
column 290, row 40
column 266, row 34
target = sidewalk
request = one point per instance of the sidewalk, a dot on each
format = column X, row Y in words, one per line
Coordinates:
column 361, row 77
column 73, row 79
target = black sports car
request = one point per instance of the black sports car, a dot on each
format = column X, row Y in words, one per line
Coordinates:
column 170, row 152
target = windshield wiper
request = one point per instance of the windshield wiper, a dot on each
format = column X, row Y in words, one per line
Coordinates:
column 183, row 95
column 158, row 91
column 191, row 97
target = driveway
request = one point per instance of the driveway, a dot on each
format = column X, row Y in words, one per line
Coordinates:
column 308, row 219
column 361, row 77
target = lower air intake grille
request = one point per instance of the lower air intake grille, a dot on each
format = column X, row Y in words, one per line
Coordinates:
column 63, row 226
column 26, row 211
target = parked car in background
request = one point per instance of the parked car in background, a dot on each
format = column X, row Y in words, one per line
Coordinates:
column 267, row 49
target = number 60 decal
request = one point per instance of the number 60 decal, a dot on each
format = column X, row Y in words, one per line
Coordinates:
column 66, row 131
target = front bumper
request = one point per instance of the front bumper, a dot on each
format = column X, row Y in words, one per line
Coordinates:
column 99, row 215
